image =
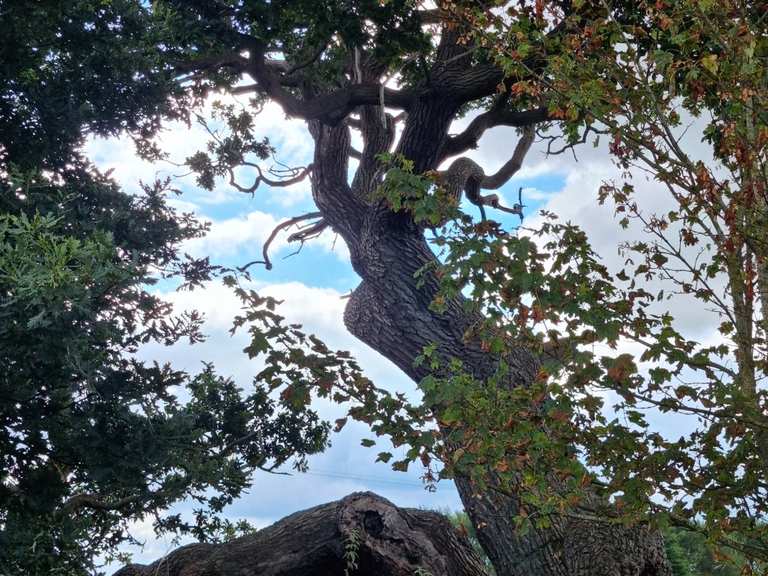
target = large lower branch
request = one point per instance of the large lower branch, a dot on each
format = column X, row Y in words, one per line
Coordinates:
column 331, row 108
column 387, row 541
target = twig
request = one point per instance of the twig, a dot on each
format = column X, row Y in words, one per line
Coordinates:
column 282, row 226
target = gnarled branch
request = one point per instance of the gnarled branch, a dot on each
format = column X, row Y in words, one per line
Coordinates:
column 295, row 176
column 465, row 175
column 510, row 168
column 329, row 108
column 311, row 231
column 498, row 115
column 390, row 541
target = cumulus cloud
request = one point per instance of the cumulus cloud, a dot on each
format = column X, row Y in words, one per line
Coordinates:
column 319, row 310
column 227, row 237
column 577, row 202
column 289, row 137
column 247, row 234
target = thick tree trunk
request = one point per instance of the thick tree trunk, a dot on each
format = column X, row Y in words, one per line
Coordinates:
column 392, row 541
column 390, row 311
column 391, row 314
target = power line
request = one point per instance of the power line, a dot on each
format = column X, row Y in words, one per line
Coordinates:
column 364, row 478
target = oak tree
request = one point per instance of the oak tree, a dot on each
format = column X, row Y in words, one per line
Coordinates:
column 396, row 75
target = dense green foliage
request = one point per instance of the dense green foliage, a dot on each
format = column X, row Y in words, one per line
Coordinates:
column 72, row 68
column 92, row 439
column 649, row 77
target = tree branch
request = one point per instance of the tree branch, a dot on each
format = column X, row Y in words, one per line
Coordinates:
column 287, row 224
column 502, row 176
column 329, row 108
column 213, row 61
column 551, row 140
column 465, row 175
column 498, row 115
column 297, row 175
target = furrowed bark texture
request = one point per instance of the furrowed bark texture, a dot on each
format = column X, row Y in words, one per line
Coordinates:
column 392, row 541
column 391, row 313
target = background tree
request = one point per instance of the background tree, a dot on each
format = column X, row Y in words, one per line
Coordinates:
column 397, row 75
column 91, row 439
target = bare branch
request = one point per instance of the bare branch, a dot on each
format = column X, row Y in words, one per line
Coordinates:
column 296, row 175
column 465, row 175
column 308, row 232
column 329, row 108
column 498, row 115
column 551, row 140
column 463, row 83
column 282, row 226
column 497, row 180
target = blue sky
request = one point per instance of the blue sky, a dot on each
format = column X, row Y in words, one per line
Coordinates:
column 313, row 282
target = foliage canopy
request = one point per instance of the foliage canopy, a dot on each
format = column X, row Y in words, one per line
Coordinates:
column 93, row 439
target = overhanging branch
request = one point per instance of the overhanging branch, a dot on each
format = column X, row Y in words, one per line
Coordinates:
column 466, row 175
column 311, row 231
column 511, row 166
column 498, row 115
column 295, row 175
column 97, row 503
column 330, row 108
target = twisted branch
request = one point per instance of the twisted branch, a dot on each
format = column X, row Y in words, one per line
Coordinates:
column 466, row 175
column 497, row 115
column 295, row 176
column 305, row 233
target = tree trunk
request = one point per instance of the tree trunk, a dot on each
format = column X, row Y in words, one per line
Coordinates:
column 390, row 311
column 391, row 314
column 392, row 541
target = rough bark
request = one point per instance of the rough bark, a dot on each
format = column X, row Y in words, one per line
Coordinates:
column 391, row 313
column 392, row 542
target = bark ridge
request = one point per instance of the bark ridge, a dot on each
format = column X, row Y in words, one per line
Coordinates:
column 393, row 541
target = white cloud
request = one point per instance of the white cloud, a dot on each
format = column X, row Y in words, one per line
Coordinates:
column 292, row 195
column 183, row 205
column 319, row 310
column 248, row 233
column 346, row 466
column 289, row 136
column 227, row 237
